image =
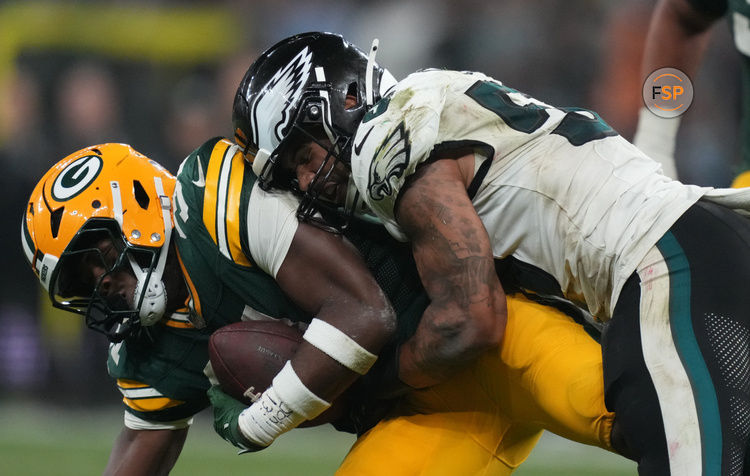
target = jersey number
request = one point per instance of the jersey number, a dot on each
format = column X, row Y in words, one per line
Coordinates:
column 578, row 126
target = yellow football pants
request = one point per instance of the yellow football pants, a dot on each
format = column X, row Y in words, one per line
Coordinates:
column 486, row 420
column 742, row 180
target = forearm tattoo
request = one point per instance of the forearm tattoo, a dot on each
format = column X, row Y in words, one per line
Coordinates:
column 456, row 265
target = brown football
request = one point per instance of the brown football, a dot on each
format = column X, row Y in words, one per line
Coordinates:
column 250, row 353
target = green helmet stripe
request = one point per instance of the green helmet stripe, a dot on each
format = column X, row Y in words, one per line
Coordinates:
column 26, row 242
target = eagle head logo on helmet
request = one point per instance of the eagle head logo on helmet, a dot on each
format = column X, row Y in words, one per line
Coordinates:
column 309, row 87
column 283, row 91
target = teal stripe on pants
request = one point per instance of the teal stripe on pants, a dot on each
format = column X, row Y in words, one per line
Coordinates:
column 687, row 347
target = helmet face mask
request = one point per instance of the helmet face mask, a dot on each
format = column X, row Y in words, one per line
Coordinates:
column 97, row 232
column 95, row 278
column 312, row 87
column 94, row 251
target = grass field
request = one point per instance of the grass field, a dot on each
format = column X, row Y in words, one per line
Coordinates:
column 47, row 441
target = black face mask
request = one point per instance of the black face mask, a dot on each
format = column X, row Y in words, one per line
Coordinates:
column 112, row 316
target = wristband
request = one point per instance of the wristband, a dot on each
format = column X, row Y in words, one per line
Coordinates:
column 339, row 346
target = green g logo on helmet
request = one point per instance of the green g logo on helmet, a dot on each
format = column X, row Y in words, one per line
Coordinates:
column 76, row 177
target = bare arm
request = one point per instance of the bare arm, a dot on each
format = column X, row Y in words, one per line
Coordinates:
column 352, row 320
column 145, row 452
column 325, row 275
column 677, row 38
column 452, row 250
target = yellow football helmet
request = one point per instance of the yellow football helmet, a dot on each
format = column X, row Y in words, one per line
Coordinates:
column 106, row 193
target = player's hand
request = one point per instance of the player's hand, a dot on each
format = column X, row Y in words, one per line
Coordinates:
column 226, row 419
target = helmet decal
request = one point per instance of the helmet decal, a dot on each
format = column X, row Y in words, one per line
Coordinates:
column 310, row 87
column 76, row 177
column 283, row 91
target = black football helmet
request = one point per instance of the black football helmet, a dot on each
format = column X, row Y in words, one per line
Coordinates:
column 296, row 92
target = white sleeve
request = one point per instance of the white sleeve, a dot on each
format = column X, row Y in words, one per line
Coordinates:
column 656, row 137
column 271, row 225
column 400, row 136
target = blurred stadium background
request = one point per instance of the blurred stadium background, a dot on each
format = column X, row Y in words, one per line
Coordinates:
column 161, row 75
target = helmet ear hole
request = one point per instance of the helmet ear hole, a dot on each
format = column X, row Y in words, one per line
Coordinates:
column 141, row 197
column 55, row 218
column 352, row 96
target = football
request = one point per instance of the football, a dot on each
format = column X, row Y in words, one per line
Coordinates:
column 247, row 355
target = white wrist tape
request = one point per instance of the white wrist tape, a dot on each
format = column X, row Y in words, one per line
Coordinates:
column 296, row 395
column 656, row 137
column 283, row 406
column 339, row 346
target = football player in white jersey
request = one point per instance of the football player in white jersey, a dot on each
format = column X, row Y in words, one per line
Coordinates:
column 471, row 171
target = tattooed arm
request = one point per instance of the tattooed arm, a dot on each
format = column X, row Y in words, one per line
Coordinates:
column 467, row 312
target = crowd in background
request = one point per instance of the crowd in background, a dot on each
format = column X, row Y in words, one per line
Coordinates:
column 56, row 100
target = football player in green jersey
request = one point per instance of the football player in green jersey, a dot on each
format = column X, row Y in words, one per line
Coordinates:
column 159, row 373
column 678, row 37
column 97, row 232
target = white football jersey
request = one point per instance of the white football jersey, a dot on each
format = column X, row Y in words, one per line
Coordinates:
column 556, row 188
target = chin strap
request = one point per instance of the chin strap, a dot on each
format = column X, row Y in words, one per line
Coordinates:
column 154, row 297
column 151, row 299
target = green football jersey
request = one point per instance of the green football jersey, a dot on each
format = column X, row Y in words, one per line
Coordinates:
column 160, row 371
column 213, row 232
